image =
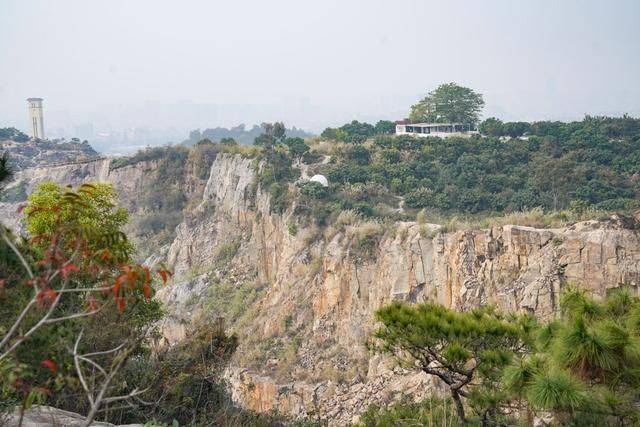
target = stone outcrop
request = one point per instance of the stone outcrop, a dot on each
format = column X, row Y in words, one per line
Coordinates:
column 31, row 153
column 46, row 416
column 302, row 334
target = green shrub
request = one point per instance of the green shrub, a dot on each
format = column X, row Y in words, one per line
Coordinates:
column 313, row 189
column 586, row 164
column 201, row 156
column 226, row 252
column 292, row 227
column 145, row 155
column 279, row 197
column 365, row 240
column 230, row 300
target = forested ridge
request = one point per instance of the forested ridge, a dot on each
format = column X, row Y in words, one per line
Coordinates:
column 591, row 163
column 576, row 169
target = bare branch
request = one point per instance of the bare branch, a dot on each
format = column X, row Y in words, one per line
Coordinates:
column 105, row 288
column 135, row 392
column 95, row 364
column 17, row 323
column 100, row 398
column 72, row 316
column 76, row 362
column 100, row 353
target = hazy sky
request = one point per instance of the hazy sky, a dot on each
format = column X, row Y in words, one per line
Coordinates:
column 186, row 64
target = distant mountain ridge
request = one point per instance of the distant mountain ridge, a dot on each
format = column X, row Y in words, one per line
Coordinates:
column 240, row 133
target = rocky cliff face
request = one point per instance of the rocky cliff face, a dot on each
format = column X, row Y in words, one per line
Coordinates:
column 302, row 299
column 302, row 348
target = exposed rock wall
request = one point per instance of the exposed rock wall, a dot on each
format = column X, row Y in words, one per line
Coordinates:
column 302, row 333
column 129, row 181
column 327, row 295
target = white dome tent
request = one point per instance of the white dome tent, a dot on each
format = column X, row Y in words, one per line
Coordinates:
column 320, row 179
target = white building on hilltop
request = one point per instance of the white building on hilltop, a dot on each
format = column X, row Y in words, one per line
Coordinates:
column 442, row 130
column 36, row 120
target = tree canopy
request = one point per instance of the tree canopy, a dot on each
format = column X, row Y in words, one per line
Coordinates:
column 591, row 163
column 448, row 103
column 357, row 132
column 585, row 364
column 91, row 211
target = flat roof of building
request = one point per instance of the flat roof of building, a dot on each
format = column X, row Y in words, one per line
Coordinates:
column 34, row 99
column 434, row 124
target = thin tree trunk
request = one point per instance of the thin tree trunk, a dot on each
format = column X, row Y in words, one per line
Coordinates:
column 459, row 406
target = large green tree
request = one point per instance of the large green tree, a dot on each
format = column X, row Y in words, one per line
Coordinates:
column 448, row 103
column 91, row 211
column 385, row 127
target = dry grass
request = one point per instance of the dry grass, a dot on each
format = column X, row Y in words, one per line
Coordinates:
column 536, row 218
column 364, row 239
column 246, row 151
column 327, row 148
column 344, row 220
column 429, row 231
column 315, row 141
column 364, row 191
column 347, row 218
column 364, row 229
column 421, row 217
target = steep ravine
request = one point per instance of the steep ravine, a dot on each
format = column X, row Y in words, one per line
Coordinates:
column 302, row 299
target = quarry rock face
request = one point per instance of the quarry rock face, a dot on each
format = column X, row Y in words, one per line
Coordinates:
column 306, row 299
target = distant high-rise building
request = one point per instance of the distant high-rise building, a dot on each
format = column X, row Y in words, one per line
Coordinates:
column 36, row 121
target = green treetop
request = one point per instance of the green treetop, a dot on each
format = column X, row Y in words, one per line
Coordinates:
column 448, row 103
column 91, row 212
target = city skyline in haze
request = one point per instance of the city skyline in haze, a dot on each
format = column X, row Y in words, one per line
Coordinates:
column 170, row 67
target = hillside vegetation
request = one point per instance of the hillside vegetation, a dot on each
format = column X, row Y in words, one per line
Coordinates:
column 586, row 166
column 240, row 134
column 566, row 171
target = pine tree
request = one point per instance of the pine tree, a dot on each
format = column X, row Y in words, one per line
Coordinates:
column 5, row 170
column 467, row 350
column 586, row 367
